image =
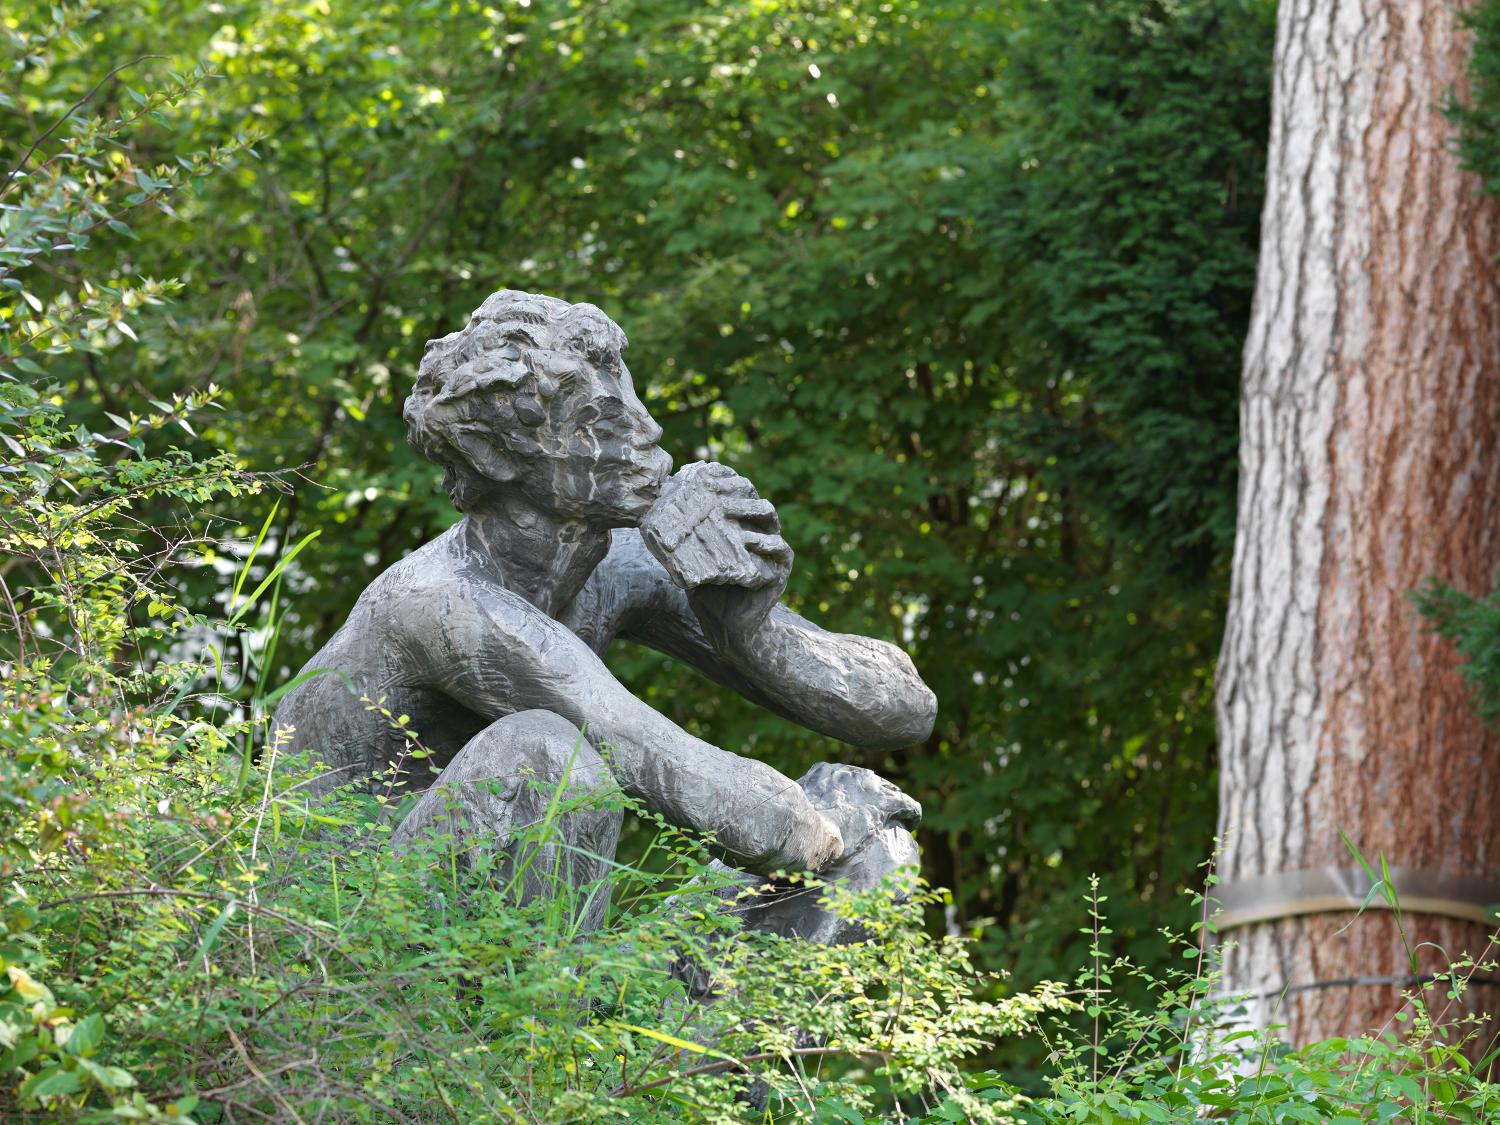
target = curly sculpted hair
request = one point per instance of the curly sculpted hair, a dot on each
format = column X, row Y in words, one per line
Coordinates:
column 480, row 385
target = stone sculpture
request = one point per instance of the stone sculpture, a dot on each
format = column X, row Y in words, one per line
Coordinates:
column 573, row 533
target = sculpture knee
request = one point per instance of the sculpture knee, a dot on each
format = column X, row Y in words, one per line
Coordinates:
column 554, row 748
column 528, row 789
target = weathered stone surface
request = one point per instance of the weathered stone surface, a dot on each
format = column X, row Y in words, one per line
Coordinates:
column 503, row 783
column 876, row 821
column 710, row 527
column 573, row 535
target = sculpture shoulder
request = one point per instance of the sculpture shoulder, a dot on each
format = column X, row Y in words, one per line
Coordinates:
column 439, row 587
column 416, row 602
column 405, row 588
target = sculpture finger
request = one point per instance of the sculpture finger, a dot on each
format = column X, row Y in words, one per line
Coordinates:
column 756, row 515
column 771, row 547
column 720, row 558
column 725, row 543
column 661, row 529
column 734, row 485
column 711, row 470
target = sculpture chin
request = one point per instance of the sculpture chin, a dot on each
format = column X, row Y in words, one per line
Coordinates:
column 661, row 473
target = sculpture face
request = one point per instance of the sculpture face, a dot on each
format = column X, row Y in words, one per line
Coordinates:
column 533, row 397
column 596, row 455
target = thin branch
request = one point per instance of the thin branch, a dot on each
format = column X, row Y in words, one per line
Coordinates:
column 172, row 892
column 36, row 144
column 742, row 1063
column 255, row 1070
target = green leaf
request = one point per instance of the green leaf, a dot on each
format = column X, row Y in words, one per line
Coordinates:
column 110, row 1077
column 86, row 1036
column 54, row 1082
column 674, row 1041
column 216, row 927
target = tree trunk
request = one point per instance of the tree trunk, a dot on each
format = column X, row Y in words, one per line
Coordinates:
column 1368, row 464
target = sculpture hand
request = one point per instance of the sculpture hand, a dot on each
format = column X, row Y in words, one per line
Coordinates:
column 722, row 543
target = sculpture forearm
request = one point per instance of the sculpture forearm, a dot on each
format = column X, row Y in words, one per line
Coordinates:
column 501, row 659
column 720, row 545
column 853, row 688
column 848, row 687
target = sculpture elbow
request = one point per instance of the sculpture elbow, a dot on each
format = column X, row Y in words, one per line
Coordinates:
column 904, row 718
column 915, row 705
column 922, row 716
column 916, row 719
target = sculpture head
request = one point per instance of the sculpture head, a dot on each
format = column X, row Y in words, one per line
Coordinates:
column 532, row 397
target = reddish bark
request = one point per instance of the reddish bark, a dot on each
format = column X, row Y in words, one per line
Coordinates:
column 1369, row 465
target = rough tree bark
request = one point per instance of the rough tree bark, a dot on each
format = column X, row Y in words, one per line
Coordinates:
column 1368, row 464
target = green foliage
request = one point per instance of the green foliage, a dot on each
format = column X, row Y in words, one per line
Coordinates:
column 186, row 938
column 961, row 286
column 1189, row 1054
column 1122, row 214
column 1473, row 623
column 267, row 957
column 78, row 178
column 1478, row 115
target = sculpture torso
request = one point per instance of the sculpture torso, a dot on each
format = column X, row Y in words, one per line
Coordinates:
column 404, row 637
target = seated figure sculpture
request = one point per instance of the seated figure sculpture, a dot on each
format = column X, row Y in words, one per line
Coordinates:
column 489, row 637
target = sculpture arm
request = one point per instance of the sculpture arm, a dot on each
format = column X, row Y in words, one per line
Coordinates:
column 496, row 654
column 849, row 687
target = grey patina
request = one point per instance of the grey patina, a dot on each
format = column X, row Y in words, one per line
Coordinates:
column 573, row 533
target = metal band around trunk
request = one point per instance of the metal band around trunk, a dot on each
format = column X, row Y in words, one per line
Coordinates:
column 1325, row 890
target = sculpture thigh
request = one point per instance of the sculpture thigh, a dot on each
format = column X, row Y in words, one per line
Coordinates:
column 506, row 779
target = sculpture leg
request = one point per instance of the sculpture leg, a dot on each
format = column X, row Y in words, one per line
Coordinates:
column 531, row 770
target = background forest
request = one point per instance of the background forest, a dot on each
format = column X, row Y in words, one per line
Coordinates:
column 961, row 286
